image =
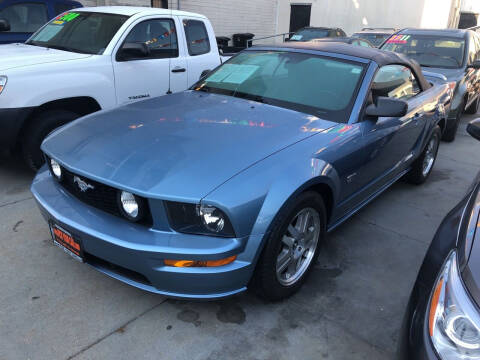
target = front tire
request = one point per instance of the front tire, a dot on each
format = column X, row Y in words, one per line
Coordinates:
column 291, row 248
column 38, row 129
column 422, row 167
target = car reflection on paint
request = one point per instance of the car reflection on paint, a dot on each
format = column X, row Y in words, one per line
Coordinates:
column 236, row 182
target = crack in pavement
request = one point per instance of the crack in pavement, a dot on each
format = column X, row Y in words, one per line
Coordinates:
column 15, row 202
column 123, row 326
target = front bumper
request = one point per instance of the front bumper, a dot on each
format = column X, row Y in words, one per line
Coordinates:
column 135, row 254
column 11, row 122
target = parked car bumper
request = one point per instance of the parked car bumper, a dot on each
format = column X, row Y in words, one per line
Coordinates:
column 135, row 254
column 11, row 121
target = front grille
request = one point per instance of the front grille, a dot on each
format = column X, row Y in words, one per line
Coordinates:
column 101, row 196
column 98, row 195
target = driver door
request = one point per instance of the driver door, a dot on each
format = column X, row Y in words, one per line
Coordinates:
column 148, row 76
column 390, row 143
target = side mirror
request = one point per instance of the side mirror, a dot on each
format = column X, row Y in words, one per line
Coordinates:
column 387, row 107
column 4, row 25
column 204, row 74
column 473, row 128
column 475, row 65
column 132, row 51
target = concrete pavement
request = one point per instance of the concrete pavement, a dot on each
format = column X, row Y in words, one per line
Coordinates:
column 52, row 307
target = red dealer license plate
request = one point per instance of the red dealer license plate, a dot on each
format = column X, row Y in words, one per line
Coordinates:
column 65, row 241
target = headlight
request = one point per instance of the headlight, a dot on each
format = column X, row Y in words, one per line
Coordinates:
column 199, row 219
column 3, row 83
column 454, row 321
column 132, row 206
column 56, row 169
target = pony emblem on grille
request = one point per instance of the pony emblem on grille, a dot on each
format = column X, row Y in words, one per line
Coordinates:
column 82, row 185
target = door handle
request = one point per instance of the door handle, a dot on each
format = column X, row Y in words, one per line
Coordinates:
column 178, row 69
column 417, row 117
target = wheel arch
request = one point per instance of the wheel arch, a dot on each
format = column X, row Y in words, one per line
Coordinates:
column 82, row 105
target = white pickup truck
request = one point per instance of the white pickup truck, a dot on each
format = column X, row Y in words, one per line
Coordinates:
column 90, row 59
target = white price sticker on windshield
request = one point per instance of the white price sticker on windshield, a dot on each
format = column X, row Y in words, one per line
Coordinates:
column 233, row 73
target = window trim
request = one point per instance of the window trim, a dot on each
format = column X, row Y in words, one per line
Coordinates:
column 30, row 3
column 188, row 40
column 118, row 59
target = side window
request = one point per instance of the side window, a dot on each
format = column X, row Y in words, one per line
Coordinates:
column 25, row 17
column 472, row 49
column 60, row 8
column 395, row 81
column 197, row 37
column 159, row 35
column 364, row 44
column 477, row 39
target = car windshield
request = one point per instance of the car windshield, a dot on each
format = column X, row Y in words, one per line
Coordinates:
column 321, row 86
column 309, row 34
column 429, row 50
column 375, row 39
column 82, row 32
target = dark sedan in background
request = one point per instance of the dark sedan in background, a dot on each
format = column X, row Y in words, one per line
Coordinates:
column 310, row 33
column 347, row 40
column 443, row 315
column 452, row 53
column 375, row 36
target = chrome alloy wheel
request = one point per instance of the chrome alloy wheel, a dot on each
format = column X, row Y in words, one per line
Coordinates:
column 430, row 154
column 298, row 246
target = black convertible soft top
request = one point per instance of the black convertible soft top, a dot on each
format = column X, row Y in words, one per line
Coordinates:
column 381, row 57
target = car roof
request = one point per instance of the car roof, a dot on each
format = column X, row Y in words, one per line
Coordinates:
column 134, row 10
column 460, row 33
column 380, row 57
column 320, row 28
column 376, row 31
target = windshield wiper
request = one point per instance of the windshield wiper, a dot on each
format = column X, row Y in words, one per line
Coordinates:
column 66, row 48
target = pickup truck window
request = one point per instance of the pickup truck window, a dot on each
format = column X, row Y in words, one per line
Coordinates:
column 82, row 32
column 316, row 85
column 197, row 37
column 25, row 17
column 159, row 35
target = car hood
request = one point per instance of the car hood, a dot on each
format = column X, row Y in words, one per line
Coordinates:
column 450, row 74
column 20, row 55
column 178, row 146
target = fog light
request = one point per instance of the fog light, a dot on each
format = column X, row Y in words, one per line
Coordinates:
column 130, row 206
column 200, row 263
column 56, row 169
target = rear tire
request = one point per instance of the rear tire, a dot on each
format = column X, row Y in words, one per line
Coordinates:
column 291, row 248
column 37, row 130
column 423, row 165
column 473, row 108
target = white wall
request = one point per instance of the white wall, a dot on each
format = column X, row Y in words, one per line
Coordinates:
column 352, row 15
column 227, row 16
column 471, row 5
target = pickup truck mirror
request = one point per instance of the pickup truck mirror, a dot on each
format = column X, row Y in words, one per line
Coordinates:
column 475, row 65
column 132, row 51
column 204, row 74
column 4, row 25
column 473, row 128
column 387, row 107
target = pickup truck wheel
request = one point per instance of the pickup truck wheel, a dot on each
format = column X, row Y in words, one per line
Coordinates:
column 291, row 248
column 38, row 129
column 473, row 108
column 422, row 167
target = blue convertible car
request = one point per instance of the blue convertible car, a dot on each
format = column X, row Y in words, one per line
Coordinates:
column 237, row 181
